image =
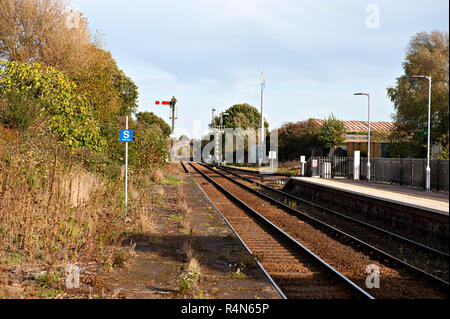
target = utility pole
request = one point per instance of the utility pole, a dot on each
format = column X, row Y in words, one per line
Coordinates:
column 262, row 144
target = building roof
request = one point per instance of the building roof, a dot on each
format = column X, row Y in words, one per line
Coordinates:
column 363, row 126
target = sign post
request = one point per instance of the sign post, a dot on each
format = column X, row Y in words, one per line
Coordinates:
column 126, row 136
column 314, row 168
column 272, row 157
column 303, row 161
column 356, row 164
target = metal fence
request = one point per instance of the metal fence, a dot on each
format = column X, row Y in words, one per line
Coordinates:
column 402, row 171
column 328, row 167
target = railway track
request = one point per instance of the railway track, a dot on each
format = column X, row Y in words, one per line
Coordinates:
column 295, row 271
column 349, row 255
column 422, row 256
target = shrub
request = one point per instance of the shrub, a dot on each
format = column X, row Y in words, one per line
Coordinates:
column 17, row 111
column 67, row 114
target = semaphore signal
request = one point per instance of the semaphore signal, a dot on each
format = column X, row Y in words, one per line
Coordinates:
column 162, row 102
column 172, row 104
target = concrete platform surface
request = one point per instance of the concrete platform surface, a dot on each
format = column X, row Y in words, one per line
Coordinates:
column 434, row 201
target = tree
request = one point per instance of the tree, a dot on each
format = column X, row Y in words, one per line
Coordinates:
column 243, row 116
column 128, row 92
column 37, row 31
column 149, row 147
column 149, row 119
column 300, row 138
column 332, row 133
column 109, row 90
column 427, row 54
column 54, row 100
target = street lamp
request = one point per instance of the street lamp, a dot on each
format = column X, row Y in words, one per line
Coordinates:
column 368, row 147
column 262, row 143
column 428, row 169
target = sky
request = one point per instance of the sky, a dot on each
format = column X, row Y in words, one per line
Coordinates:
column 314, row 53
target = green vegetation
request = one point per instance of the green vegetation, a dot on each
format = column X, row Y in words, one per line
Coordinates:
column 189, row 276
column 242, row 116
column 332, row 132
column 32, row 92
column 428, row 55
column 149, row 119
column 300, row 138
column 63, row 101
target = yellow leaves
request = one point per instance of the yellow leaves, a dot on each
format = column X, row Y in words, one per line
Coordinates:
column 69, row 115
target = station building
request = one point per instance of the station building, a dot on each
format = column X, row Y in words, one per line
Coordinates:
column 357, row 137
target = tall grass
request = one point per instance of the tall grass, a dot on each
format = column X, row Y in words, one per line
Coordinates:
column 52, row 210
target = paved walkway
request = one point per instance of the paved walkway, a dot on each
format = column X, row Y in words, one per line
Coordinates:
column 433, row 201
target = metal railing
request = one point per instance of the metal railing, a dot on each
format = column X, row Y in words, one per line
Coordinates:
column 401, row 171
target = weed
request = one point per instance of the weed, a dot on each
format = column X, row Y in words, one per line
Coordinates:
column 237, row 274
column 118, row 259
column 172, row 181
column 189, row 276
column 157, row 176
column 247, row 261
column 236, row 271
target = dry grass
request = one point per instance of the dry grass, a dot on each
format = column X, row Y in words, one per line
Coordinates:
column 157, row 175
column 147, row 220
column 183, row 209
column 190, row 274
column 52, row 211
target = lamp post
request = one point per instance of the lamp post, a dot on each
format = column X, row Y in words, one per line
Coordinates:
column 427, row 169
column 262, row 144
column 368, row 147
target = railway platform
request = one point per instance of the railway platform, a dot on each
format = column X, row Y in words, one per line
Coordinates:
column 403, row 208
column 436, row 202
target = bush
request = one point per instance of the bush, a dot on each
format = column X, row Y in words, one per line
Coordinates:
column 67, row 114
column 17, row 111
column 149, row 148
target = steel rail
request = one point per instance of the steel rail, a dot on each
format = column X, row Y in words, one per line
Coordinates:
column 184, row 167
column 354, row 220
column 441, row 283
column 256, row 172
column 320, row 261
column 272, row 281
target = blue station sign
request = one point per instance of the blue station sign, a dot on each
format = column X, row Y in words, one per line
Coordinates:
column 126, row 135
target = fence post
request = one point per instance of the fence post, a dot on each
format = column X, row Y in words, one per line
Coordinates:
column 438, row 169
column 412, row 173
column 401, row 171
